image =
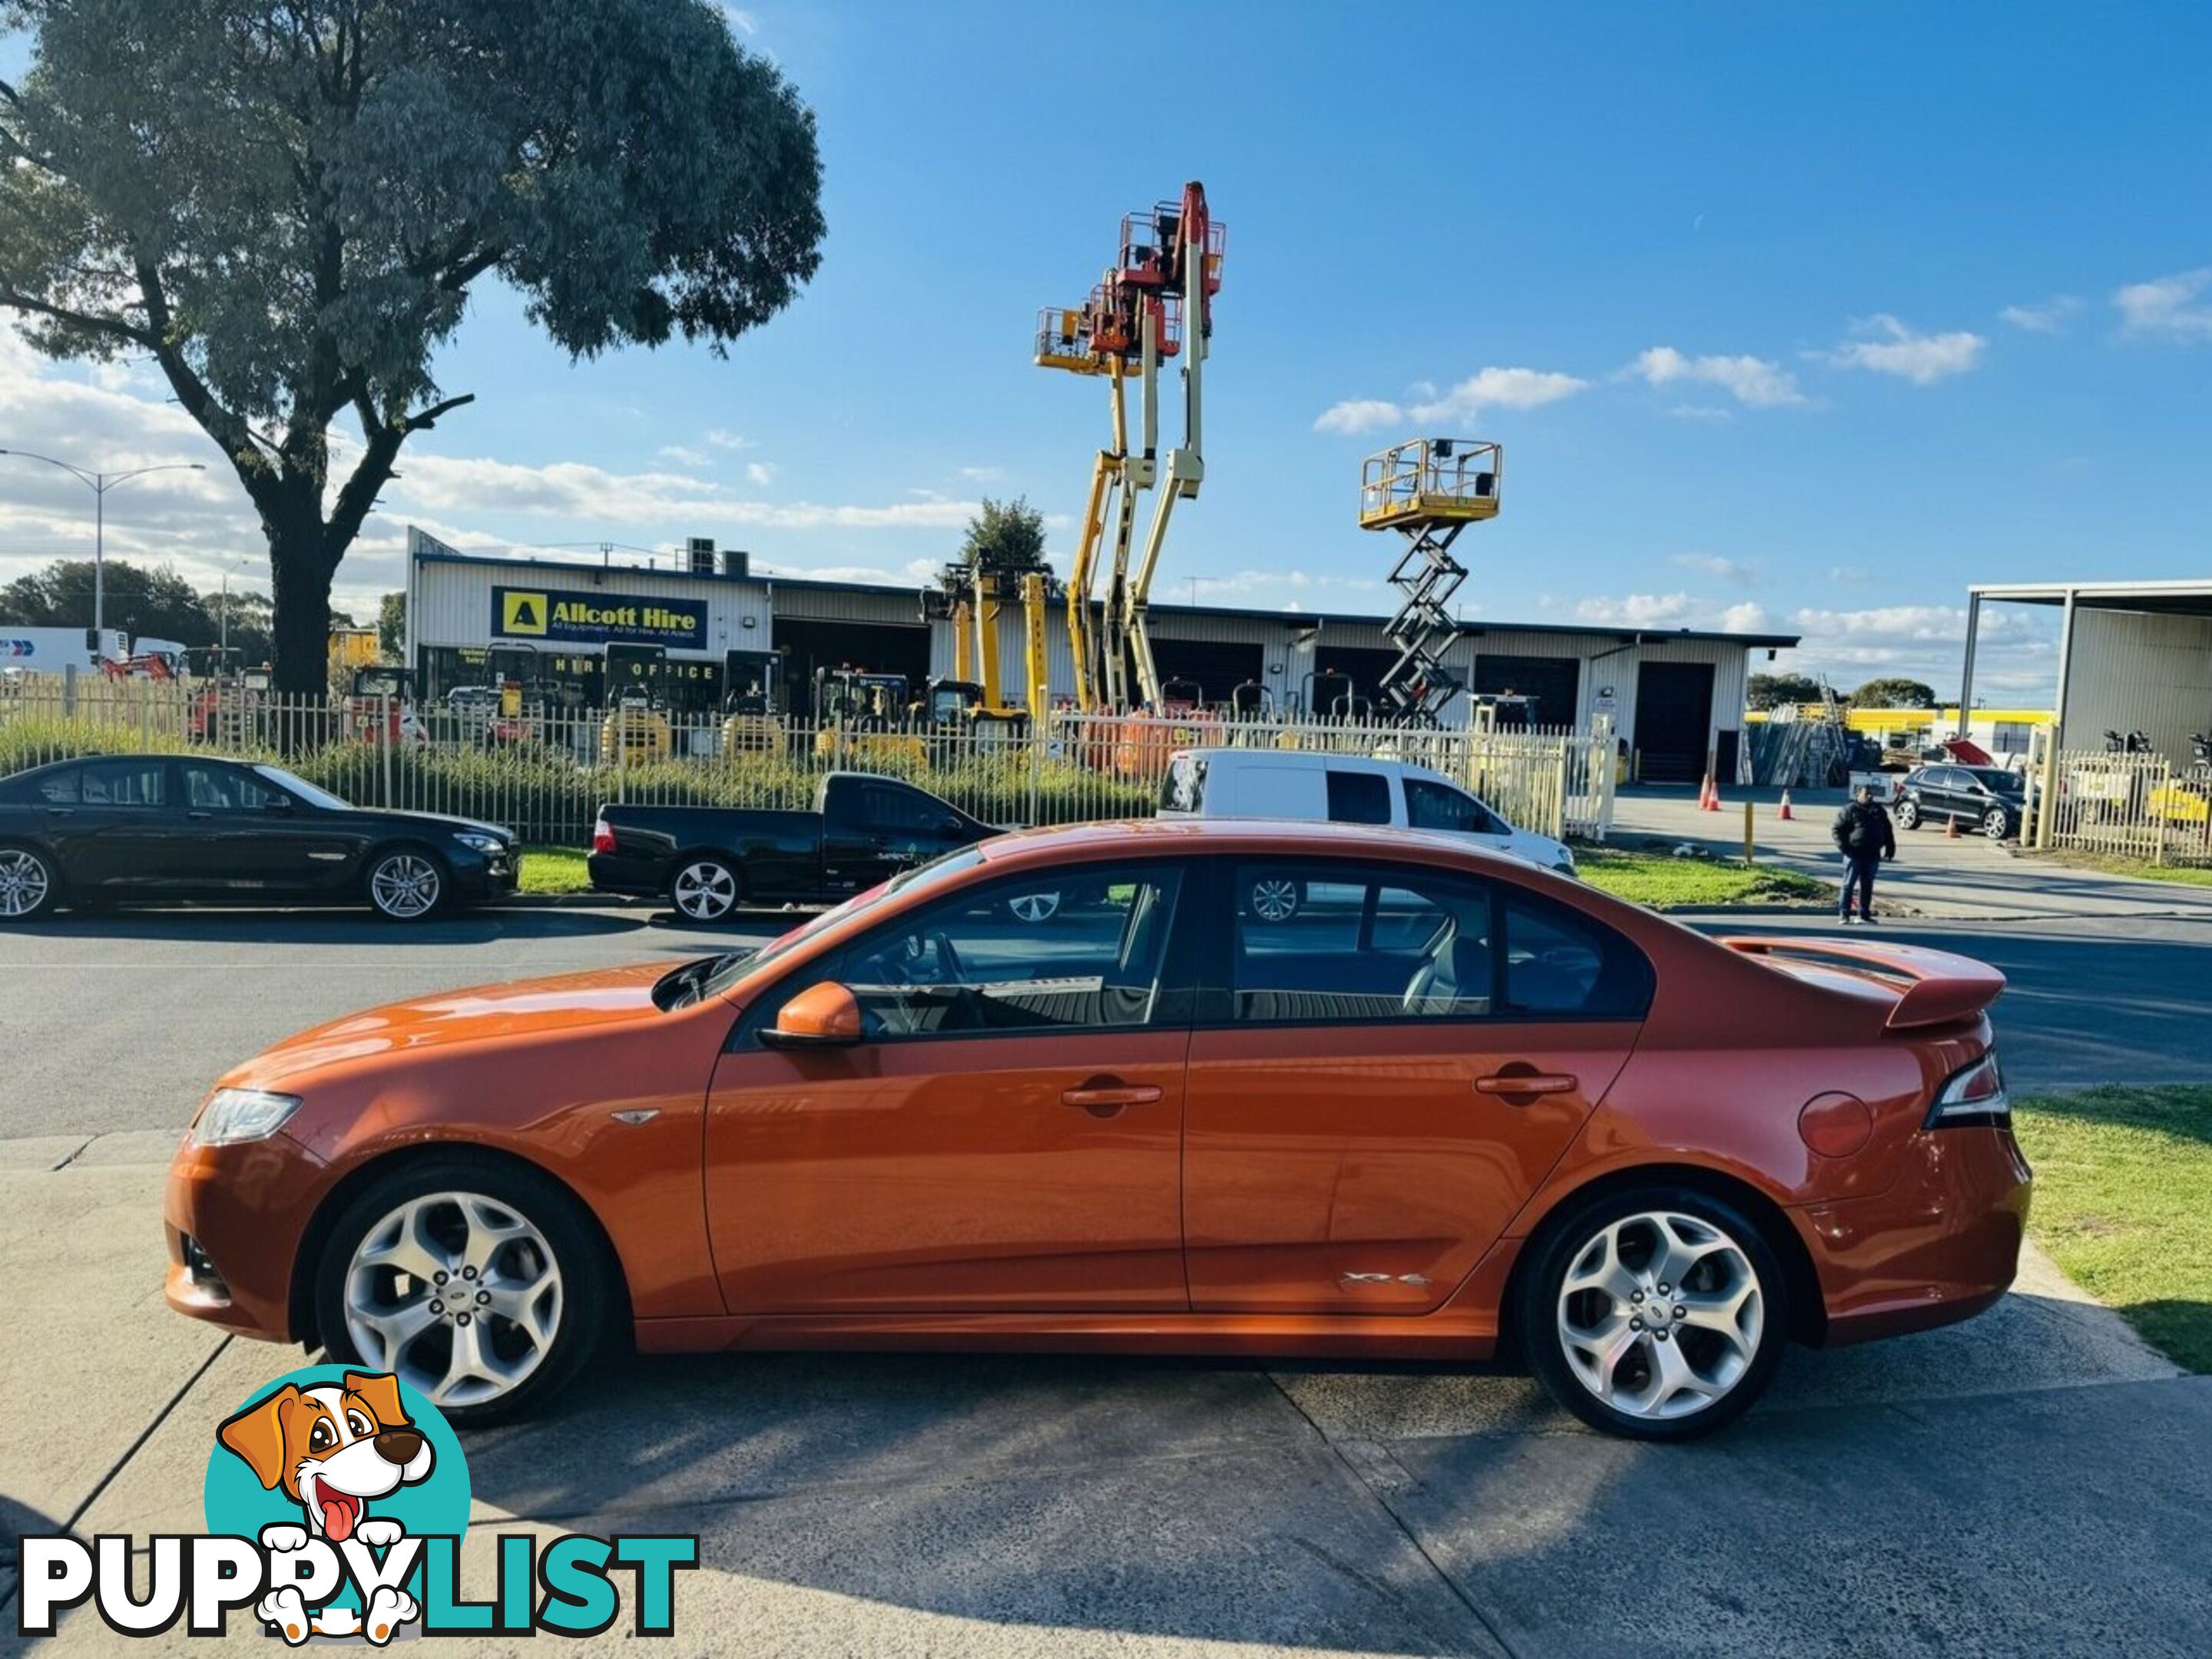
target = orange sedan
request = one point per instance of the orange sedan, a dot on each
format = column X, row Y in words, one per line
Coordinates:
column 1445, row 1102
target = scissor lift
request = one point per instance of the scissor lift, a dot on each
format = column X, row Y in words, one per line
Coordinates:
column 1428, row 490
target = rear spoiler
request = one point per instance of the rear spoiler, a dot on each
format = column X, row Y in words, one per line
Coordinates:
column 1940, row 987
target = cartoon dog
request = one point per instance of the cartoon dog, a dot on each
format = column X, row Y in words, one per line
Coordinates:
column 332, row 1450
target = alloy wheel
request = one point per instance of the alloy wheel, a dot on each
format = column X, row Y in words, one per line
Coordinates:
column 1274, row 900
column 24, row 883
column 1908, row 813
column 404, row 885
column 1661, row 1315
column 457, row 1294
column 705, row 892
column 1998, row 824
column 1035, row 906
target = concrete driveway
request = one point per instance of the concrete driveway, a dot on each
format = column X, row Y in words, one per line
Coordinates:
column 2025, row 1482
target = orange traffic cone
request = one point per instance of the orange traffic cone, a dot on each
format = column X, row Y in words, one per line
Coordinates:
column 1783, row 812
column 1950, row 828
column 1709, row 797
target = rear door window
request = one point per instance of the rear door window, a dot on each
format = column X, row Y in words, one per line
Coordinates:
column 1358, row 797
column 1335, row 942
column 124, row 782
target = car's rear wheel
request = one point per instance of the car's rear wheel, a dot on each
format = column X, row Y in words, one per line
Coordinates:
column 1273, row 899
column 704, row 890
column 480, row 1286
column 1996, row 824
column 1908, row 814
column 1033, row 908
column 406, row 885
column 29, row 883
column 1656, row 1313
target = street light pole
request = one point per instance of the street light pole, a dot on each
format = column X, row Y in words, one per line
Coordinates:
column 99, row 484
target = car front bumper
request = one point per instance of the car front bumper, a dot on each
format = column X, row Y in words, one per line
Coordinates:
column 485, row 878
column 1943, row 1244
column 235, row 1218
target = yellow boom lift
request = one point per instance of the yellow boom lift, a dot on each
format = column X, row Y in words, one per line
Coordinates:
column 1153, row 305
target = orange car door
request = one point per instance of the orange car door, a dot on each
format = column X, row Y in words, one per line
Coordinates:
column 1006, row 1136
column 1385, row 1066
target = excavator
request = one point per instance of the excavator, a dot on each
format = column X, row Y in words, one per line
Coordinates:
column 1154, row 305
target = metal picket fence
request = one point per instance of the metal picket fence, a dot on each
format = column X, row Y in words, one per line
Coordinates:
column 2134, row 806
column 543, row 771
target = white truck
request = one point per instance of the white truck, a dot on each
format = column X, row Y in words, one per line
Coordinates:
column 1288, row 783
column 50, row 650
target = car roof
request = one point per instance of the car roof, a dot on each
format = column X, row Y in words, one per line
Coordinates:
column 1225, row 835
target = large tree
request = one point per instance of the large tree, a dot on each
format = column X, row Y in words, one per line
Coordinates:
column 1005, row 539
column 1894, row 691
column 285, row 203
column 1767, row 690
column 159, row 604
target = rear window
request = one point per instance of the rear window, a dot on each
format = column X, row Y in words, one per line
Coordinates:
column 1358, row 797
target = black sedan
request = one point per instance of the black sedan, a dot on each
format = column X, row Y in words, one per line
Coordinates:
column 1984, row 798
column 125, row 828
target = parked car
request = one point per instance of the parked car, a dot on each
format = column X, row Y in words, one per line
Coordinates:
column 130, row 829
column 709, row 861
column 1276, row 783
column 1984, row 798
column 1481, row 1100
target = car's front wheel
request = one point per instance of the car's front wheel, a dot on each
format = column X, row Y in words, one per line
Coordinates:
column 28, row 884
column 704, row 890
column 1996, row 824
column 481, row 1285
column 1908, row 814
column 406, row 885
column 1657, row 1313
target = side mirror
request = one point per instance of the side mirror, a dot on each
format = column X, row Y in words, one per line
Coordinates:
column 824, row 1016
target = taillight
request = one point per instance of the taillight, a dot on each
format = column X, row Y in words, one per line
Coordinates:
column 602, row 837
column 1973, row 1095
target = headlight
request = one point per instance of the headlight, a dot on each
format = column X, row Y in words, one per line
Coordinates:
column 232, row 1115
column 479, row 842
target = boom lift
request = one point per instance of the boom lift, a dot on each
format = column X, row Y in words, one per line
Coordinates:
column 1428, row 490
column 1167, row 273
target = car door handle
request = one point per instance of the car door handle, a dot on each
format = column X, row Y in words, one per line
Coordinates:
column 1526, row 1083
column 1107, row 1098
column 61, row 811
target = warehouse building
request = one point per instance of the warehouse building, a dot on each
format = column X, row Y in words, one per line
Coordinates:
column 2132, row 657
column 1675, row 696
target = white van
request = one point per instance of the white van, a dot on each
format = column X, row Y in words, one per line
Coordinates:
column 1288, row 783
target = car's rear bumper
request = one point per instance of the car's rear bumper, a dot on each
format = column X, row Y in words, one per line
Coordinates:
column 1941, row 1245
column 613, row 872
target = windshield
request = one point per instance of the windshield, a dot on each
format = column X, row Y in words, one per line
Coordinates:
column 306, row 791
column 723, row 971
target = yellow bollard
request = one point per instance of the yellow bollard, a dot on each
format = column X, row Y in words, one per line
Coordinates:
column 1746, row 832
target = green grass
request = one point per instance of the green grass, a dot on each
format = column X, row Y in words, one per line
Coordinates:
column 554, row 869
column 2123, row 1203
column 2142, row 869
column 1664, row 883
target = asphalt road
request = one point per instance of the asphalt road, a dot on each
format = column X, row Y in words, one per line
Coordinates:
column 121, row 1023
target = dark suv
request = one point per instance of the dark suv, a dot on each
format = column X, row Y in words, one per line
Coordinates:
column 1984, row 798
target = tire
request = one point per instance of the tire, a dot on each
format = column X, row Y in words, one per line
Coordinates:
column 1036, row 908
column 704, row 889
column 1908, row 814
column 407, row 883
column 30, row 886
column 1274, row 900
column 557, row 1271
column 1654, row 1380
column 1996, row 824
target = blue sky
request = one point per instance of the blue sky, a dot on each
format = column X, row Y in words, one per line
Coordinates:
column 1799, row 317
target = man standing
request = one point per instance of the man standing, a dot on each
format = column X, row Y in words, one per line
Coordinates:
column 1865, row 837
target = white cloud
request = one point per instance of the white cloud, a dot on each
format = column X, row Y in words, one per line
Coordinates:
column 1635, row 610
column 1701, row 412
column 1487, row 388
column 722, row 438
column 982, row 474
column 742, row 20
column 680, row 455
column 2168, row 306
column 1714, row 565
column 2047, row 317
column 1888, row 346
column 762, row 473
column 1849, row 573
column 1751, row 380
column 2016, row 657
column 1744, row 618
